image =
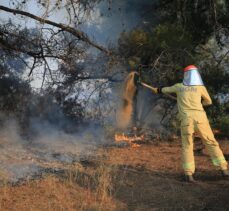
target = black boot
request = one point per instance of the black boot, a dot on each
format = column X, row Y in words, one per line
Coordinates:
column 189, row 178
column 225, row 173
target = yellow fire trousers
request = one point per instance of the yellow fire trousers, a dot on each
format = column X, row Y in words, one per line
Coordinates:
column 196, row 121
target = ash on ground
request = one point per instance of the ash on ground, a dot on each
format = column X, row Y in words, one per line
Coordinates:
column 22, row 160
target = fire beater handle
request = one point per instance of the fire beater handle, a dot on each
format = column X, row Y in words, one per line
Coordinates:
column 152, row 88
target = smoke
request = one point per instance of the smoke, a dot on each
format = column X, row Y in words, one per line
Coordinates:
column 149, row 109
column 111, row 18
column 44, row 144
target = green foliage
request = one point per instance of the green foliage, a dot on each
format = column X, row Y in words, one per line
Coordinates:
column 166, row 47
column 14, row 91
column 134, row 62
column 14, row 99
column 224, row 125
column 199, row 18
column 216, row 79
column 14, row 94
column 132, row 44
column 171, row 36
column 149, row 45
column 186, row 33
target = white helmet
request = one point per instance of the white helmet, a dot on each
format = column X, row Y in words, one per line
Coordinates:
column 192, row 76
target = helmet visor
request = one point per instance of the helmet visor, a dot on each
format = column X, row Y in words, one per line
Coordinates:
column 192, row 78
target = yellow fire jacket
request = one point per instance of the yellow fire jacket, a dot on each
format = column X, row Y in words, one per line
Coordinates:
column 189, row 98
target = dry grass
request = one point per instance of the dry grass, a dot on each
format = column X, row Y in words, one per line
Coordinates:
column 77, row 189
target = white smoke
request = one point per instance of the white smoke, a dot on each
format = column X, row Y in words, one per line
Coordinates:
column 47, row 147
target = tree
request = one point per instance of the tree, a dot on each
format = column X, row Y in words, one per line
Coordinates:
column 184, row 32
column 53, row 40
column 57, row 52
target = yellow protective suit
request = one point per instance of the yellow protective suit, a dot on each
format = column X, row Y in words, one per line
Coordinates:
column 190, row 101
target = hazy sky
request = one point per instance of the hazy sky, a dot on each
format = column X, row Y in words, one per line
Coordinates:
column 110, row 19
column 107, row 21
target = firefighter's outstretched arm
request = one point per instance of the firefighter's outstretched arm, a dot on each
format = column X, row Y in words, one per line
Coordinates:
column 165, row 90
column 168, row 90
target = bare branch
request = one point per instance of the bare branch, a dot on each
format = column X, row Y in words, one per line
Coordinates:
column 79, row 34
column 223, row 57
column 33, row 66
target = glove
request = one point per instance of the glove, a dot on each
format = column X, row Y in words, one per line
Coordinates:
column 154, row 90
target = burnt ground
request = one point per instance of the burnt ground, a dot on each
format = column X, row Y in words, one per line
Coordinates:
column 154, row 179
column 144, row 178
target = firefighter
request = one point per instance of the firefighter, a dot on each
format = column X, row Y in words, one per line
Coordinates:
column 191, row 97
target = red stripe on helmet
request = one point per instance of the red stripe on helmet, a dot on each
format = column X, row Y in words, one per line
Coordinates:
column 190, row 67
